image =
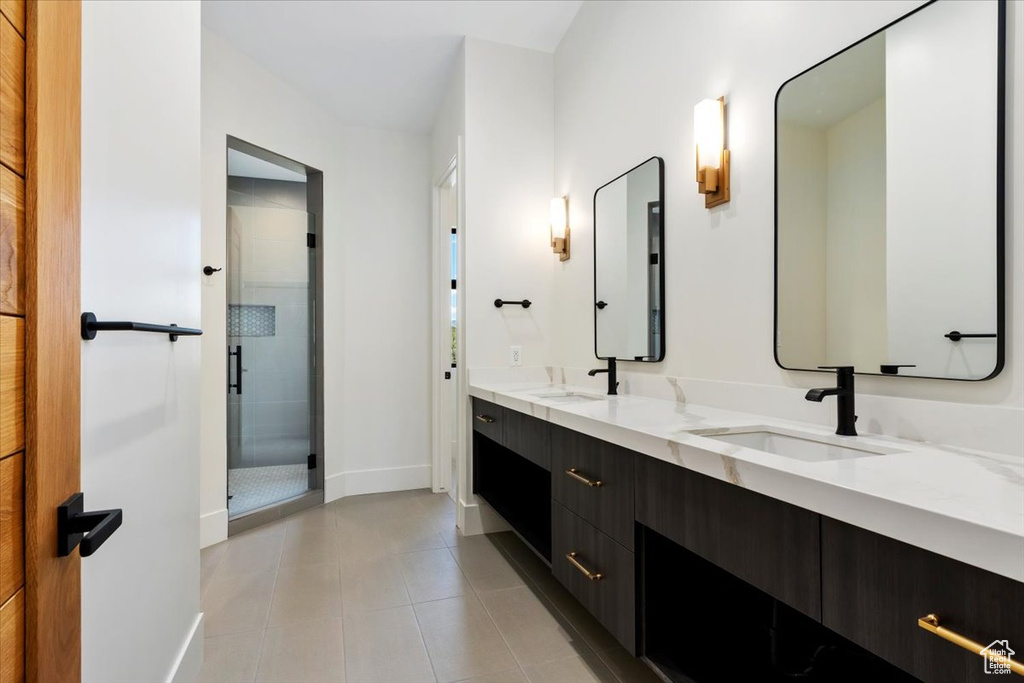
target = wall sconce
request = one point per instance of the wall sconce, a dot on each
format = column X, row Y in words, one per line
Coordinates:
column 712, row 156
column 560, row 227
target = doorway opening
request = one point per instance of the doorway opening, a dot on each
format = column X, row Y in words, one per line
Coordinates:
column 446, row 331
column 273, row 383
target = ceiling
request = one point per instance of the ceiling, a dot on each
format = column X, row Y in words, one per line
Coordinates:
column 832, row 91
column 379, row 64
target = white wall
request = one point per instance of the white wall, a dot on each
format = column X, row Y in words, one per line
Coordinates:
column 140, row 393
column 627, row 75
column 376, row 252
column 508, row 172
column 941, row 269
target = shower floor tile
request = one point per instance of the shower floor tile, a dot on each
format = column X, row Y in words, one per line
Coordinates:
column 254, row 487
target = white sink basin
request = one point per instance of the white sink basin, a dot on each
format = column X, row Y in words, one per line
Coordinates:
column 559, row 396
column 799, row 445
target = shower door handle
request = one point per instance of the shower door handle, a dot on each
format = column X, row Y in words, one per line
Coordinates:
column 237, row 353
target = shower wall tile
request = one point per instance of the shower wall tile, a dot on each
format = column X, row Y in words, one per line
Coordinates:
column 277, row 193
column 274, row 387
column 281, row 450
column 282, row 418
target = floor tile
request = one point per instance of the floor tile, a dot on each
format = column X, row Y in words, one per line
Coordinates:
column 254, row 551
column 238, row 602
column 533, row 629
column 303, row 652
column 461, row 639
column 231, row 659
column 510, row 676
column 626, row 667
column 319, row 516
column 515, row 549
column 310, row 544
column 385, row 647
column 587, row 669
column 358, row 544
column 376, row 584
column 306, row 592
column 209, row 560
column 595, row 635
column 409, row 534
column 432, row 575
column 484, row 565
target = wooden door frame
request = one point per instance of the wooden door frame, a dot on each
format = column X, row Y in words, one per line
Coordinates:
column 53, row 347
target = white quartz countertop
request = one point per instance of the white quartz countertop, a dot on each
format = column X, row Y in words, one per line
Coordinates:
column 967, row 505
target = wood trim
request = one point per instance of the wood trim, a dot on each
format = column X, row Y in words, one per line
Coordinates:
column 53, row 208
column 12, row 242
column 12, row 98
column 12, row 385
column 12, row 639
column 12, row 525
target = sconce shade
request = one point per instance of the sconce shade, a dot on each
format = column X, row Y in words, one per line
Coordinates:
column 560, row 227
column 709, row 132
column 711, row 155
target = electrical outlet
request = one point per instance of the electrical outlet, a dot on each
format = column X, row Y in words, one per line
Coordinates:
column 515, row 356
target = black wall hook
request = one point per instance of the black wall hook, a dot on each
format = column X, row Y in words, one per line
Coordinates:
column 525, row 303
column 210, row 270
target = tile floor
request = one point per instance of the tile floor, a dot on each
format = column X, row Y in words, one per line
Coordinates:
column 255, row 487
column 383, row 588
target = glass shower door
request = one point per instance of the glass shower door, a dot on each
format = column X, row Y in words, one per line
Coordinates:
column 270, row 283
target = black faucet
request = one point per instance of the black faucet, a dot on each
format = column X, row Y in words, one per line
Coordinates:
column 843, row 391
column 612, row 381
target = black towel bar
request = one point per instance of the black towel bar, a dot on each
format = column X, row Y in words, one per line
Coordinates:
column 525, row 303
column 956, row 336
column 90, row 326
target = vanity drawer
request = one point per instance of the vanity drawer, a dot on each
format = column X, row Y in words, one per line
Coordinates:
column 595, row 480
column 610, row 598
column 769, row 544
column 488, row 419
column 875, row 588
column 528, row 436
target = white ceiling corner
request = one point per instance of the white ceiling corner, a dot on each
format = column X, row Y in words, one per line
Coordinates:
column 384, row 64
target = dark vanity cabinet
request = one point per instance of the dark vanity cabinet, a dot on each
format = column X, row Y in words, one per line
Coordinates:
column 674, row 563
column 767, row 543
column 593, row 528
column 874, row 590
column 511, row 480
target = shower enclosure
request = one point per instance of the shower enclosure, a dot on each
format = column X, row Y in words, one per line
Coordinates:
column 271, row 276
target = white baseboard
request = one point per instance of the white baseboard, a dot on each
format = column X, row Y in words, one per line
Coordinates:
column 213, row 528
column 190, row 659
column 358, row 482
column 479, row 518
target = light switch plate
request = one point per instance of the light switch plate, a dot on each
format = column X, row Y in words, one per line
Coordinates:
column 515, row 356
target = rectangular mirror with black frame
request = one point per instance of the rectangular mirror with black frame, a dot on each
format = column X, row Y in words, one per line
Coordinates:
column 629, row 275
column 889, row 187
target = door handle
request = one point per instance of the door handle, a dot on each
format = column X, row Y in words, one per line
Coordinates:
column 237, row 353
column 89, row 530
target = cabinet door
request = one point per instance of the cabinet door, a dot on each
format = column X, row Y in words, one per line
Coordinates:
column 769, row 544
column 579, row 462
column 874, row 590
column 529, row 437
column 610, row 598
column 488, row 419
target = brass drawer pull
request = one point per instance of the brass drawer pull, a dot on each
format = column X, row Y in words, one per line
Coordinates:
column 486, row 419
column 574, row 473
column 593, row 576
column 931, row 623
